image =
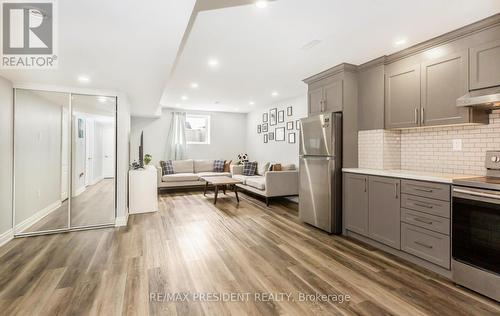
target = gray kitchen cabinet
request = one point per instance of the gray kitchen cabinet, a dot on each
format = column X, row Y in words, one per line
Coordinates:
column 356, row 203
column 371, row 98
column 402, row 96
column 315, row 100
column 384, row 210
column 485, row 65
column 333, row 95
column 444, row 80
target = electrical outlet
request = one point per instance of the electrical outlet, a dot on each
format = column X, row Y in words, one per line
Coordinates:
column 457, row 144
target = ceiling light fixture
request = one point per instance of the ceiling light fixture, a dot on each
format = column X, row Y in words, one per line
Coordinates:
column 261, row 4
column 212, row 62
column 274, row 93
column 194, row 85
column 184, row 98
column 400, row 42
column 83, row 79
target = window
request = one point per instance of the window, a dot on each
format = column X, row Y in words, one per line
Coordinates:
column 197, row 129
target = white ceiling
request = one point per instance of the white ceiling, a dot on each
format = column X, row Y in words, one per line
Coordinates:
column 259, row 50
column 152, row 50
column 127, row 45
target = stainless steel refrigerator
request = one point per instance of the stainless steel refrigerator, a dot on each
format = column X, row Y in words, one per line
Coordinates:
column 320, row 162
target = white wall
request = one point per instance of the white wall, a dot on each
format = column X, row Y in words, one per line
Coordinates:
column 38, row 133
column 228, row 135
column 275, row 151
column 6, row 132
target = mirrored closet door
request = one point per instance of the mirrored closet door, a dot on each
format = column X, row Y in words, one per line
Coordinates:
column 64, row 161
column 41, row 161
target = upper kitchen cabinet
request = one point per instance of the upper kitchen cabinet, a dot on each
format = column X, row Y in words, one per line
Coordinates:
column 333, row 96
column 371, row 95
column 444, row 80
column 315, row 100
column 402, row 96
column 485, row 65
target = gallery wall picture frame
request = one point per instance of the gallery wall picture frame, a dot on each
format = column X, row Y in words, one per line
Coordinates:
column 280, row 134
column 264, row 117
column 291, row 138
column 273, row 116
column 271, row 135
column 297, row 124
column 281, row 116
column 289, row 111
column 265, row 139
column 259, row 128
column 289, row 125
column 265, row 127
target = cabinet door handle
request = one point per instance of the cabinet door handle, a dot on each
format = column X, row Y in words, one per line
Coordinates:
column 416, row 116
column 421, row 220
column 396, row 190
column 422, row 115
column 423, row 245
column 423, row 205
column 366, row 188
column 424, row 190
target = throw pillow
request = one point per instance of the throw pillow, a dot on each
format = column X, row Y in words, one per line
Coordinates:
column 276, row 167
column 166, row 167
column 227, row 166
column 249, row 168
column 218, row 165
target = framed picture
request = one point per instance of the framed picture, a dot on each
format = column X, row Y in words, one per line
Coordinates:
column 273, row 113
column 81, row 128
column 289, row 111
column 265, row 127
column 281, row 116
column 264, row 117
column 265, row 139
column 259, row 128
column 289, row 125
column 271, row 136
column 297, row 124
column 291, row 138
column 280, row 134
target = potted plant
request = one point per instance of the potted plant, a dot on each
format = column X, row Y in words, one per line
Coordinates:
column 147, row 159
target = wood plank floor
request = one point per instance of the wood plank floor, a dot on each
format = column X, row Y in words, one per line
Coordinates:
column 192, row 246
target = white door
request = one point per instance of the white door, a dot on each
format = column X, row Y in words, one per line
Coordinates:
column 108, row 139
column 89, row 151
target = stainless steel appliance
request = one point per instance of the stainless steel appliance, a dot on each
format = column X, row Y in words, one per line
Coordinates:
column 476, row 230
column 488, row 99
column 320, row 162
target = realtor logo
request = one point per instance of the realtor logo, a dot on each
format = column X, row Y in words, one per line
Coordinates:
column 28, row 35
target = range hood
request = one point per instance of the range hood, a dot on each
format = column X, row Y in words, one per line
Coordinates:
column 488, row 99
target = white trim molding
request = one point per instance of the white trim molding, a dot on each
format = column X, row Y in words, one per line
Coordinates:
column 121, row 220
column 36, row 217
column 6, row 237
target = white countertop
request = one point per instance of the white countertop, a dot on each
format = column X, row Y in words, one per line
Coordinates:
column 408, row 174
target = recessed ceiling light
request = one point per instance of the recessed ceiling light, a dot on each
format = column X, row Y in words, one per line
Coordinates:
column 251, row 103
column 212, row 62
column 184, row 98
column 194, row 85
column 261, row 4
column 83, row 79
column 400, row 42
column 274, row 93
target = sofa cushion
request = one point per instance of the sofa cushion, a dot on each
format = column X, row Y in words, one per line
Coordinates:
column 183, row 166
column 256, row 182
column 177, row 177
column 203, row 165
column 214, row 174
column 218, row 165
column 262, row 168
column 243, row 178
column 287, row 167
column 166, row 167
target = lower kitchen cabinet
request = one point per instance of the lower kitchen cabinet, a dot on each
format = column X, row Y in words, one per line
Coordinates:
column 356, row 203
column 384, row 210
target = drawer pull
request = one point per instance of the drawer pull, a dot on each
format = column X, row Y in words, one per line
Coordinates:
column 423, row 205
column 424, row 190
column 421, row 220
column 423, row 245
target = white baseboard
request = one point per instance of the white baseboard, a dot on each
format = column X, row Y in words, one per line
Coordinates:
column 79, row 191
column 37, row 216
column 95, row 181
column 121, row 221
column 6, row 237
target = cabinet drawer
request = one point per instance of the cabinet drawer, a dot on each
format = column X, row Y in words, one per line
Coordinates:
column 426, row 189
column 426, row 244
column 426, row 205
column 431, row 222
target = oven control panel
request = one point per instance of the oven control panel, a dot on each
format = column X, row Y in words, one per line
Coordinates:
column 492, row 160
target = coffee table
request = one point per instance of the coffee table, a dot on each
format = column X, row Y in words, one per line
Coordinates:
column 221, row 181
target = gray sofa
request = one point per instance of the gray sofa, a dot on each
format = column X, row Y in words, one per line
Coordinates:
column 187, row 173
column 269, row 184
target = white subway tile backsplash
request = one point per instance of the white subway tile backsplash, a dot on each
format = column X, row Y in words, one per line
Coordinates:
column 430, row 149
